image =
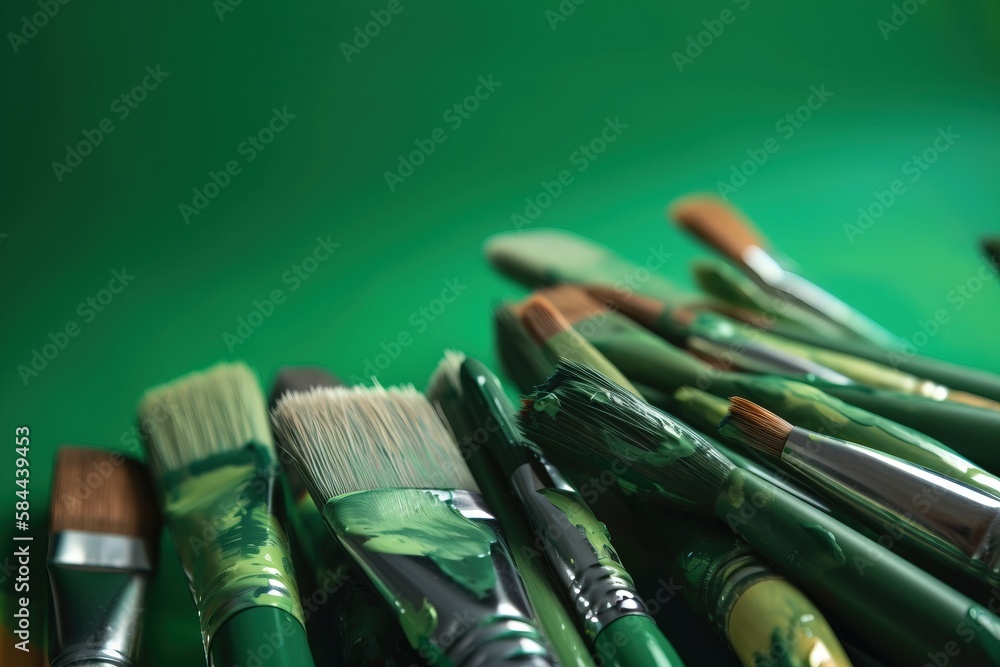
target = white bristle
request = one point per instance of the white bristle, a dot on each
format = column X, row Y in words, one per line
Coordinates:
column 204, row 413
column 445, row 376
column 357, row 438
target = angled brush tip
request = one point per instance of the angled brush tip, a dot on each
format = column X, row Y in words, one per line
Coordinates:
column 717, row 223
column 758, row 427
column 103, row 491
column 572, row 302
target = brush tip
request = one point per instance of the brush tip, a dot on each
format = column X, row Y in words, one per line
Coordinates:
column 300, row 378
column 717, row 223
column 542, row 319
column 103, row 491
column 760, row 428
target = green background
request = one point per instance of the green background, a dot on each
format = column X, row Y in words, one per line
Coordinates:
column 323, row 176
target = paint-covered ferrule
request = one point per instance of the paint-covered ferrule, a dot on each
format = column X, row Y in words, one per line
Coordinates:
column 717, row 577
column 438, row 559
column 232, row 548
column 718, row 338
column 933, row 511
column 98, row 584
column 578, row 548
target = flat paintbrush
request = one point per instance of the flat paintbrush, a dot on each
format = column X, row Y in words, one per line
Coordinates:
column 576, row 544
column 948, row 522
column 103, row 548
column 881, row 597
column 216, row 467
column 396, row 493
column 366, row 631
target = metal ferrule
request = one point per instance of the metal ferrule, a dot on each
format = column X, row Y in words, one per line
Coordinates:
column 729, row 576
column 469, row 630
column 600, row 589
column 98, row 584
column 770, row 275
column 759, row 357
column 907, row 500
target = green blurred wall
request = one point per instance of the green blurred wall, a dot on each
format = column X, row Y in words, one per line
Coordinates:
column 225, row 68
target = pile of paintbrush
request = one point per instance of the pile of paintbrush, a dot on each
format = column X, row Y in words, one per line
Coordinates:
column 860, row 471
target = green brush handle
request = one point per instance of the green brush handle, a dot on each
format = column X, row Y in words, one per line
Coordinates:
column 261, row 636
column 883, row 598
column 635, row 641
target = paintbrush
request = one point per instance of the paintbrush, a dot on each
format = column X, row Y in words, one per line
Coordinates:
column 559, row 627
column 520, row 357
column 721, row 227
column 648, row 360
column 576, row 544
column 216, row 467
column 104, row 542
column 948, row 522
column 762, row 617
column 396, row 493
column 366, row 631
column 560, row 340
column 732, row 287
column 586, row 418
column 713, row 336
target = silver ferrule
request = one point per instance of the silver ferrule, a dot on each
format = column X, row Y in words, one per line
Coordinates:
column 98, row 584
column 906, row 499
column 599, row 589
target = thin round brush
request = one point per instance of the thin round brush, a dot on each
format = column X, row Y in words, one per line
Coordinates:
column 396, row 492
column 584, row 418
column 949, row 522
column 103, row 547
column 728, row 232
column 215, row 464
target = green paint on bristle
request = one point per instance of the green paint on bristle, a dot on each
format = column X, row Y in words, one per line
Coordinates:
column 600, row 426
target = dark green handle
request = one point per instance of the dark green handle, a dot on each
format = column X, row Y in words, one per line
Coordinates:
column 635, row 641
column 261, row 637
column 887, row 600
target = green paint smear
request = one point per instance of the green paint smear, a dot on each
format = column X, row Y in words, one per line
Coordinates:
column 549, row 404
column 413, row 522
column 232, row 548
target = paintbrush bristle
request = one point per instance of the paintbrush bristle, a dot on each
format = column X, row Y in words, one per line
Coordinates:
column 716, row 223
column 445, row 378
column 581, row 417
column 202, row 414
column 573, row 302
column 100, row 491
column 760, row 428
column 360, row 438
column 542, row 320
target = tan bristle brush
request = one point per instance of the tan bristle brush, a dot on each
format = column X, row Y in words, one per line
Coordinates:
column 722, row 227
column 103, row 546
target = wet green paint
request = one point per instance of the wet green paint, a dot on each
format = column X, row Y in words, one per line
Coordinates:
column 232, row 549
column 592, row 529
column 412, row 522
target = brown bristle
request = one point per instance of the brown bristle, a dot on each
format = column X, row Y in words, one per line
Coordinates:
column 573, row 302
column 102, row 491
column 642, row 309
column 761, row 428
column 717, row 224
column 542, row 320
